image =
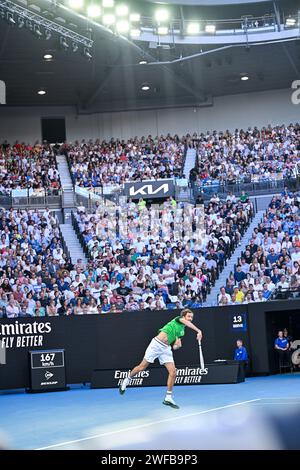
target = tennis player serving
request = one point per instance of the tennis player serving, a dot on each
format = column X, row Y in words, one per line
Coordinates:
column 161, row 348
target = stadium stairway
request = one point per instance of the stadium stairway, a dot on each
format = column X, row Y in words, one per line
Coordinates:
column 211, row 299
column 190, row 162
column 184, row 193
column 66, row 181
column 72, row 243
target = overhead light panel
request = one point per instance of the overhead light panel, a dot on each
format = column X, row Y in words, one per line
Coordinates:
column 108, row 19
column 93, row 10
column 108, row 3
column 143, row 62
column 76, row 4
column 41, row 92
column 122, row 10
column 193, row 28
column 210, row 28
column 123, row 26
column 290, row 21
column 134, row 17
column 48, row 56
column 161, row 15
column 162, row 30
column 135, row 33
column 244, row 78
column 145, row 87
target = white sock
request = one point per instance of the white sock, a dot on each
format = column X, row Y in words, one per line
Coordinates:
column 169, row 395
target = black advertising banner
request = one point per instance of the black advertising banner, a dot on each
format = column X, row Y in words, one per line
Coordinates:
column 185, row 375
column 150, row 189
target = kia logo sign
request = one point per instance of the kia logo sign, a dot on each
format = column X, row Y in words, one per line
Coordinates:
column 150, row 189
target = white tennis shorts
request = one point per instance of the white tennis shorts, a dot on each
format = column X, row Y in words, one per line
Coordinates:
column 158, row 350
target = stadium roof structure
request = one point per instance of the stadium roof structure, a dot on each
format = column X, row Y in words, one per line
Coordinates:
column 178, row 70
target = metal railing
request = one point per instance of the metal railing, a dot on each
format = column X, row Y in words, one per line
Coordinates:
column 47, row 198
column 289, row 293
column 246, row 24
column 252, row 189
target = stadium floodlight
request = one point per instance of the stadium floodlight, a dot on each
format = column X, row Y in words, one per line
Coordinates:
column 135, row 33
column 108, row 3
column 63, row 43
column 122, row 10
column 122, row 26
column 10, row 19
column 134, row 17
column 210, row 28
column 87, row 53
column 145, row 87
column 21, row 22
column 48, row 56
column 161, row 15
column 74, row 47
column 37, row 31
column 46, row 26
column 76, row 4
column 162, row 30
column 244, row 78
column 93, row 10
column 193, row 28
column 108, row 19
column 48, row 34
column 41, row 92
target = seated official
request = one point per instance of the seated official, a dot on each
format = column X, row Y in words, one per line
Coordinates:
column 240, row 353
column 282, row 347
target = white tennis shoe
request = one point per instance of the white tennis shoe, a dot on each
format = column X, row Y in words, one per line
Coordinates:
column 170, row 402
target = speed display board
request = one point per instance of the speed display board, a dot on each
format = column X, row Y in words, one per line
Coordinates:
column 47, row 370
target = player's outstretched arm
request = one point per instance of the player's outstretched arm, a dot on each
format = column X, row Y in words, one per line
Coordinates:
column 189, row 324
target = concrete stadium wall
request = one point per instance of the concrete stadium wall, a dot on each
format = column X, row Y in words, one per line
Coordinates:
column 228, row 112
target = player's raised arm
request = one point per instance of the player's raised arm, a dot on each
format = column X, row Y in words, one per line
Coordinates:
column 187, row 321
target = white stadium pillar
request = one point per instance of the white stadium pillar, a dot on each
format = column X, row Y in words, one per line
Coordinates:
column 2, row 92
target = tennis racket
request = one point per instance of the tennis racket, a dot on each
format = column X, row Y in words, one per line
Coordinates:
column 201, row 356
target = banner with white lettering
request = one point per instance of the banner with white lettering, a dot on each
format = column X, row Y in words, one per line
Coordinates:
column 227, row 372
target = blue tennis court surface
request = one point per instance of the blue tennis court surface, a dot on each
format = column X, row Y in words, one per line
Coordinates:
column 261, row 413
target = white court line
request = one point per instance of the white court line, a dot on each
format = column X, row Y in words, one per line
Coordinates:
column 133, row 428
column 279, row 403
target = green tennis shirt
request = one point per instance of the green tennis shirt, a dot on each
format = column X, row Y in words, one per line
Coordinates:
column 174, row 329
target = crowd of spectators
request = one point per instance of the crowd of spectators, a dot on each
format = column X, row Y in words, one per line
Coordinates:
column 270, row 265
column 140, row 258
column 255, row 155
column 100, row 163
column 147, row 258
column 28, row 167
column 32, row 263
